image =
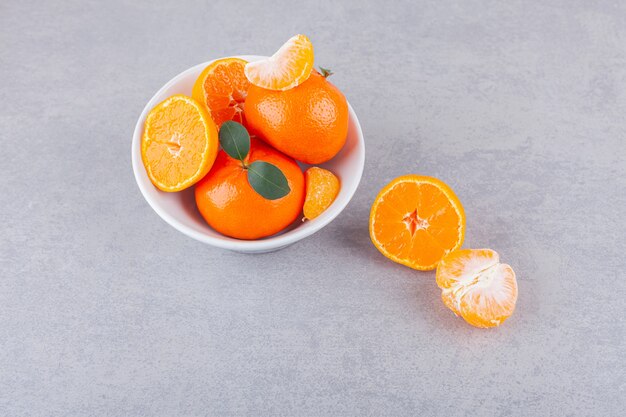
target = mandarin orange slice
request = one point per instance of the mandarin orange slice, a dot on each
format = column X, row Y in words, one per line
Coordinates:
column 222, row 87
column 322, row 187
column 476, row 286
column 290, row 66
column 416, row 220
column 179, row 143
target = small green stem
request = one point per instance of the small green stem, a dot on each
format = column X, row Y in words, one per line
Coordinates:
column 326, row 72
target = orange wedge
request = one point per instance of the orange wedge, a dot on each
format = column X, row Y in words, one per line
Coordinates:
column 322, row 187
column 222, row 87
column 476, row 286
column 290, row 66
column 417, row 220
column 179, row 143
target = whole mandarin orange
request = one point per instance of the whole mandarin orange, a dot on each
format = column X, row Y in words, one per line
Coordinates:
column 231, row 206
column 308, row 122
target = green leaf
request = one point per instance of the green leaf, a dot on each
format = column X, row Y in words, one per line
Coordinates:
column 268, row 180
column 235, row 140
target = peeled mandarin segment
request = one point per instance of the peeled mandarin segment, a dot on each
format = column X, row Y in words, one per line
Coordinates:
column 179, row 143
column 491, row 305
column 477, row 287
column 464, row 263
column 416, row 220
column 322, row 187
column 290, row 66
column 222, row 87
column 450, row 302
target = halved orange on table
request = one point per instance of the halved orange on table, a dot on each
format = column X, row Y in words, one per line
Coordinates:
column 416, row 220
column 179, row 143
column 476, row 286
column 222, row 87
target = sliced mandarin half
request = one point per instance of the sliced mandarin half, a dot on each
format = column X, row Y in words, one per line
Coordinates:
column 322, row 187
column 179, row 143
column 222, row 87
column 289, row 67
column 476, row 286
column 416, row 220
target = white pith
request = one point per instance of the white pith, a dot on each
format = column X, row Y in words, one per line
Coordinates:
column 174, row 146
column 484, row 279
column 414, row 222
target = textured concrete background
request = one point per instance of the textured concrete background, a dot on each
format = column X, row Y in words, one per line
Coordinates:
column 105, row 310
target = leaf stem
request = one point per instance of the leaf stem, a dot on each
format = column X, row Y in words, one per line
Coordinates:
column 326, row 72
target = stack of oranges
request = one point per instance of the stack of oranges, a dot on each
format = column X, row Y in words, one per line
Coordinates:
column 266, row 115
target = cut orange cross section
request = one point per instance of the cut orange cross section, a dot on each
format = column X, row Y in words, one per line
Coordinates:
column 289, row 67
column 417, row 220
column 476, row 286
column 222, row 87
column 179, row 143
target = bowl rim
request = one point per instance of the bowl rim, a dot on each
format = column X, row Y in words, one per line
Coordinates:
column 225, row 242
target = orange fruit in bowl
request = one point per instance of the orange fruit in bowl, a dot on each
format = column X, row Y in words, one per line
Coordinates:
column 416, row 220
column 222, row 87
column 288, row 67
column 476, row 286
column 322, row 187
column 308, row 122
column 232, row 207
column 179, row 143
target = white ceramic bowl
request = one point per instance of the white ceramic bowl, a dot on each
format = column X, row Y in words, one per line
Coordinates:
column 179, row 209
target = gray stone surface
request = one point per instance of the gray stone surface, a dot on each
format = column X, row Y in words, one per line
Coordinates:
column 105, row 310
